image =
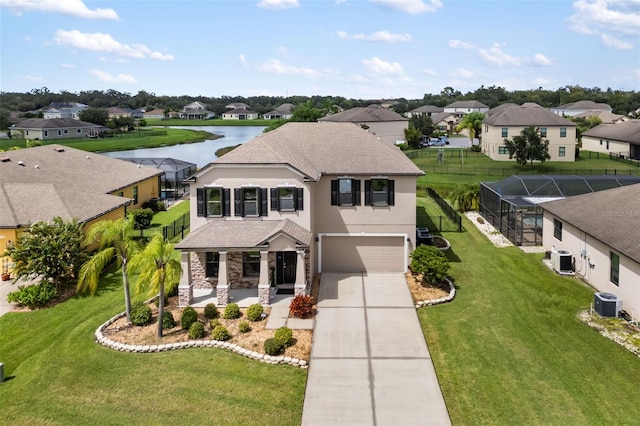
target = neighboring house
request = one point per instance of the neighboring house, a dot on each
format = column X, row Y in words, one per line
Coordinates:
column 505, row 124
column 196, row 111
column 580, row 107
column 601, row 232
column 237, row 105
column 240, row 114
column 387, row 125
column 43, row 182
column 466, row 107
column 445, row 122
column 154, row 113
column 72, row 110
column 284, row 112
column 116, row 112
column 55, row 128
column 298, row 200
column 500, row 108
column 425, row 110
column 621, row 139
column 605, row 117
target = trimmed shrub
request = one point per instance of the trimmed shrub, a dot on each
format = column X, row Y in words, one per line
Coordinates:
column 231, row 311
column 214, row 323
column 168, row 321
column 140, row 314
column 273, row 346
column 154, row 205
column 189, row 316
column 33, row 296
column 157, row 301
column 254, row 312
column 211, row 311
column 284, row 335
column 244, row 327
column 141, row 218
column 221, row 333
column 196, row 331
column 302, row 307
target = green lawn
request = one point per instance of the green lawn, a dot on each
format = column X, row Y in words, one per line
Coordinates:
column 166, row 217
column 510, row 350
column 57, row 374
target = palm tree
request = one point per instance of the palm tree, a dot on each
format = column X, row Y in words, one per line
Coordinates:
column 466, row 197
column 115, row 241
column 158, row 269
column 473, row 123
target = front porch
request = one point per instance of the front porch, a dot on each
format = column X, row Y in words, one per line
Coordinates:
column 244, row 297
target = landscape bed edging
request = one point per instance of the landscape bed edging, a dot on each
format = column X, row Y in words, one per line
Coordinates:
column 452, row 294
column 125, row 347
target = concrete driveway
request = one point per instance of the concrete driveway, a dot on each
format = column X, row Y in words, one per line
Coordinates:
column 370, row 364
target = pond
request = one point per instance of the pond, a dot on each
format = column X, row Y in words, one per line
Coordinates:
column 200, row 153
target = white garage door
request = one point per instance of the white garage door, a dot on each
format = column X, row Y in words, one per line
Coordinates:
column 363, row 254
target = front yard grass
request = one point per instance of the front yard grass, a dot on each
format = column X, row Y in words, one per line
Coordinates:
column 57, row 374
column 511, row 350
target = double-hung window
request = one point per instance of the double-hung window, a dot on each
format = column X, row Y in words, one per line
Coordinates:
column 614, row 273
column 212, row 264
column 379, row 192
column 561, row 151
column 505, row 132
column 345, row 192
column 250, row 201
column 135, row 195
column 503, row 150
column 557, row 229
column 213, row 201
column 287, row 198
column 251, row 264
column 563, row 132
column 543, row 132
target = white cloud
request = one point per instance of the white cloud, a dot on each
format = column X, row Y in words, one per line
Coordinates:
column 278, row 4
column 459, row 44
column 68, row 66
column 428, row 71
column 100, row 42
column 378, row 66
column 75, row 8
column 497, row 57
column 108, row 78
column 242, row 59
column 615, row 43
column 540, row 60
column 282, row 51
column 275, row 66
column 385, row 36
column 413, row 7
column 610, row 15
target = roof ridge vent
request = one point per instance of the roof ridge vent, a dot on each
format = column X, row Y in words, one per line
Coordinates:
column 4, row 159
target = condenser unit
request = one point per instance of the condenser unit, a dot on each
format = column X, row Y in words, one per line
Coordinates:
column 562, row 261
column 607, row 304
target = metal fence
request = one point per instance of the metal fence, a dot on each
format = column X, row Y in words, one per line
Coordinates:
column 450, row 213
column 507, row 171
column 175, row 231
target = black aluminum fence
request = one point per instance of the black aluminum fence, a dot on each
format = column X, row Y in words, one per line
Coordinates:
column 451, row 214
column 508, row 171
column 175, row 231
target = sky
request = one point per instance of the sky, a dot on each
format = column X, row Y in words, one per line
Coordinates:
column 360, row 49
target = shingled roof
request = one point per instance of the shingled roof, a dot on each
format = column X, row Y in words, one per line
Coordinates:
column 610, row 216
column 528, row 114
column 364, row 115
column 54, row 123
column 315, row 149
column 627, row 131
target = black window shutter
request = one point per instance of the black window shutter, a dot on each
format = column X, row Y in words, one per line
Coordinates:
column 226, row 198
column 356, row 192
column 392, row 192
column 237, row 199
column 274, row 198
column 264, row 206
column 200, row 204
column 334, row 192
column 367, row 192
column 299, row 198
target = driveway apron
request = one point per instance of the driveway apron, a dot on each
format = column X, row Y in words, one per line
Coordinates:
column 370, row 364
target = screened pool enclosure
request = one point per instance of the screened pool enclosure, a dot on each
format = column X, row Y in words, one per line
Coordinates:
column 512, row 204
column 175, row 172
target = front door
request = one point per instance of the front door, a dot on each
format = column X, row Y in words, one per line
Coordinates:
column 286, row 267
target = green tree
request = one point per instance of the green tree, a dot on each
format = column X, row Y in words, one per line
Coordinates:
column 158, row 269
column 52, row 251
column 306, row 112
column 473, row 123
column 466, row 197
column 528, row 146
column 123, row 123
column 431, row 263
column 412, row 136
column 98, row 116
column 583, row 124
column 115, row 241
column 423, row 123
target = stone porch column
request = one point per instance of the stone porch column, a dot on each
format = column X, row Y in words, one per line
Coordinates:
column 185, row 287
column 264, row 286
column 301, row 272
column 222, row 289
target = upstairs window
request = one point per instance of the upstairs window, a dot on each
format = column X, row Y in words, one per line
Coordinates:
column 287, row 198
column 212, row 264
column 379, row 192
column 505, row 132
column 135, row 195
column 345, row 192
column 543, row 132
column 213, row 201
column 250, row 201
column 563, row 132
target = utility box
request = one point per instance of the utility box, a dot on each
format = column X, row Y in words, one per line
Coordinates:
column 607, row 304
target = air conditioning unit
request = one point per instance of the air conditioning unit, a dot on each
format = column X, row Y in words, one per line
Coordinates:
column 562, row 261
column 607, row 304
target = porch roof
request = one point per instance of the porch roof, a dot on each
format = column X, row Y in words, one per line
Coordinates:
column 243, row 234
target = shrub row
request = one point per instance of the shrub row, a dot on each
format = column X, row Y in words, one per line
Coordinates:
column 33, row 296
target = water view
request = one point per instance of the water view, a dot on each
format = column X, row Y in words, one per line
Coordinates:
column 200, row 153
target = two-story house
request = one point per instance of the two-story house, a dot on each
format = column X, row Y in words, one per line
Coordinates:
column 301, row 199
column 387, row 125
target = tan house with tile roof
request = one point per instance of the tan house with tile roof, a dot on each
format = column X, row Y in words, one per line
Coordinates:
column 387, row 125
column 601, row 232
column 510, row 121
column 40, row 183
column 301, row 199
column 620, row 139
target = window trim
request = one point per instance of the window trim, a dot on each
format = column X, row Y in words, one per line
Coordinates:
column 557, row 229
column 562, row 151
column 297, row 195
column 201, row 198
column 505, row 132
column 208, row 202
column 543, row 132
column 563, row 132
column 212, row 264
column 261, row 201
column 369, row 192
column 502, row 150
column 355, row 192
column 246, row 262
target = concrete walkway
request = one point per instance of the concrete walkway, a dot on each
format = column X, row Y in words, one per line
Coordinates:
column 7, row 287
column 370, row 364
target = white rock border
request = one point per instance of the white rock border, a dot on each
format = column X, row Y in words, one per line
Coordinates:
column 585, row 318
column 449, row 298
column 123, row 347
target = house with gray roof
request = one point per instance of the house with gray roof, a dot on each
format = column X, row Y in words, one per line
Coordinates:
column 387, row 125
column 293, row 202
column 240, row 114
column 55, row 128
column 40, row 183
column 621, row 139
column 466, row 107
column 284, row 112
column 425, row 110
column 510, row 121
column 600, row 231
column 64, row 110
column 580, row 107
